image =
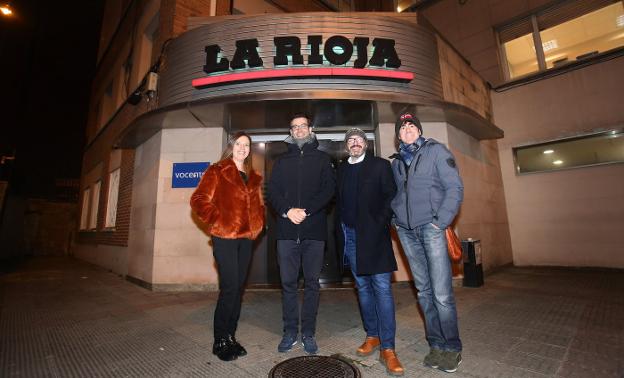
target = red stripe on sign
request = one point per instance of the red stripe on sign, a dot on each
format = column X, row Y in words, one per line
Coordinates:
column 303, row 72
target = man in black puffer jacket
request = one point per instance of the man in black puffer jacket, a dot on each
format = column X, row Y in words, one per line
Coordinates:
column 301, row 185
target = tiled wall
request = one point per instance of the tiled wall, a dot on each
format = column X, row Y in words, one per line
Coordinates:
column 182, row 253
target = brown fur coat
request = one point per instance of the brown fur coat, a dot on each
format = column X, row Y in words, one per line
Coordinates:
column 222, row 200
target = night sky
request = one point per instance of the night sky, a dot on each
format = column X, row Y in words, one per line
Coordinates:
column 48, row 54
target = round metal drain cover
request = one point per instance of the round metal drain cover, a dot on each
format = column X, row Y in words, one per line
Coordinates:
column 314, row 367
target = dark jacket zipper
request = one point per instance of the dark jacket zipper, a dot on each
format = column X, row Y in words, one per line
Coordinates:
column 299, row 192
column 406, row 189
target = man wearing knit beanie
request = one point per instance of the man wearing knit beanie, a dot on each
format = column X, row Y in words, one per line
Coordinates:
column 430, row 192
column 406, row 117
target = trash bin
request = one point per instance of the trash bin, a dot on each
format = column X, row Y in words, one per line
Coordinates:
column 473, row 270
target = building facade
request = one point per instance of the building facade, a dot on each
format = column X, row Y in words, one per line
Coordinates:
column 176, row 77
column 556, row 71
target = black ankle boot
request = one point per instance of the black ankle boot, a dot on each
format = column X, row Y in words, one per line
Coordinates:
column 224, row 349
column 240, row 350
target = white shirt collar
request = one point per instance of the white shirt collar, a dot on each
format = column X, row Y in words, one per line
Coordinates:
column 352, row 160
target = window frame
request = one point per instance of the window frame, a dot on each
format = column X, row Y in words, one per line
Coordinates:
column 94, row 207
column 111, row 221
column 85, row 206
column 604, row 132
column 532, row 18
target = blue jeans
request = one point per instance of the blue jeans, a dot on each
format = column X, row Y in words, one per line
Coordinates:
column 291, row 256
column 375, row 295
column 426, row 250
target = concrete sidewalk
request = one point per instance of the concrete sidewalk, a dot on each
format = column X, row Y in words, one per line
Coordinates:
column 61, row 317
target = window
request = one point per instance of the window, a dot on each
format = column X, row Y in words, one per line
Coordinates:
column 566, row 32
column 95, row 200
column 148, row 37
column 112, row 199
column 122, row 81
column 106, row 106
column 84, row 213
column 594, row 149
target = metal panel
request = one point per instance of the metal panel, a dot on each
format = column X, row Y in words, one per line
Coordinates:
column 415, row 45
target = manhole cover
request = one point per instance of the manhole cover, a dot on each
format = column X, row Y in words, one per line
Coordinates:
column 314, row 367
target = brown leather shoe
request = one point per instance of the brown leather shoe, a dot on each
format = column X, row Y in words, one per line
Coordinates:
column 391, row 361
column 370, row 345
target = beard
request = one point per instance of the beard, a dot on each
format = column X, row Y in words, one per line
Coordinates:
column 356, row 151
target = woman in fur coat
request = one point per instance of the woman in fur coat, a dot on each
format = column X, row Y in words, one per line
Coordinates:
column 229, row 199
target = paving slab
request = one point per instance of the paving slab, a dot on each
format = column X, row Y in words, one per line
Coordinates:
column 61, row 317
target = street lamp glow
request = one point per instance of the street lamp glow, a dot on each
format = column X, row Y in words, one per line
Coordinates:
column 6, row 10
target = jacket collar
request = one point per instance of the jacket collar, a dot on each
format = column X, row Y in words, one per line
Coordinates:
column 427, row 142
column 231, row 173
column 310, row 146
column 362, row 172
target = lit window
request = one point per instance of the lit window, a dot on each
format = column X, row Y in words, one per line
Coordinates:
column 584, row 36
column 95, row 200
column 587, row 150
column 567, row 31
column 521, row 57
column 112, row 200
column 84, row 211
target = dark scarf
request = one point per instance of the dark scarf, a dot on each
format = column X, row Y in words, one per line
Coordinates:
column 408, row 151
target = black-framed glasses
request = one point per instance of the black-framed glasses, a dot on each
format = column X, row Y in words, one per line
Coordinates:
column 358, row 139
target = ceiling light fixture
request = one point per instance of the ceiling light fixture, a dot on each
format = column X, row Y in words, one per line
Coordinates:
column 548, row 151
column 550, row 45
column 619, row 20
column 558, row 162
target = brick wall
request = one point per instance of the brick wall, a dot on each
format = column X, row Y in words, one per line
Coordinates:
column 194, row 8
column 113, row 11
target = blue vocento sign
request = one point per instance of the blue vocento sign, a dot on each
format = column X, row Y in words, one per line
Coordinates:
column 187, row 175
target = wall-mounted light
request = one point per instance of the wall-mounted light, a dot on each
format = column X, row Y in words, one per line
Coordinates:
column 6, row 10
column 151, row 85
column 135, row 97
column 5, row 158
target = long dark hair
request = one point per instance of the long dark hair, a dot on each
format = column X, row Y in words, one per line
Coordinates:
column 229, row 150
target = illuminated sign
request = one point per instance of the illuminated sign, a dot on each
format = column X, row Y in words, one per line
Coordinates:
column 337, row 50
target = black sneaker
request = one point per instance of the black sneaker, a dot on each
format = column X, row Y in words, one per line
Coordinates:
column 287, row 343
column 450, row 361
column 309, row 344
